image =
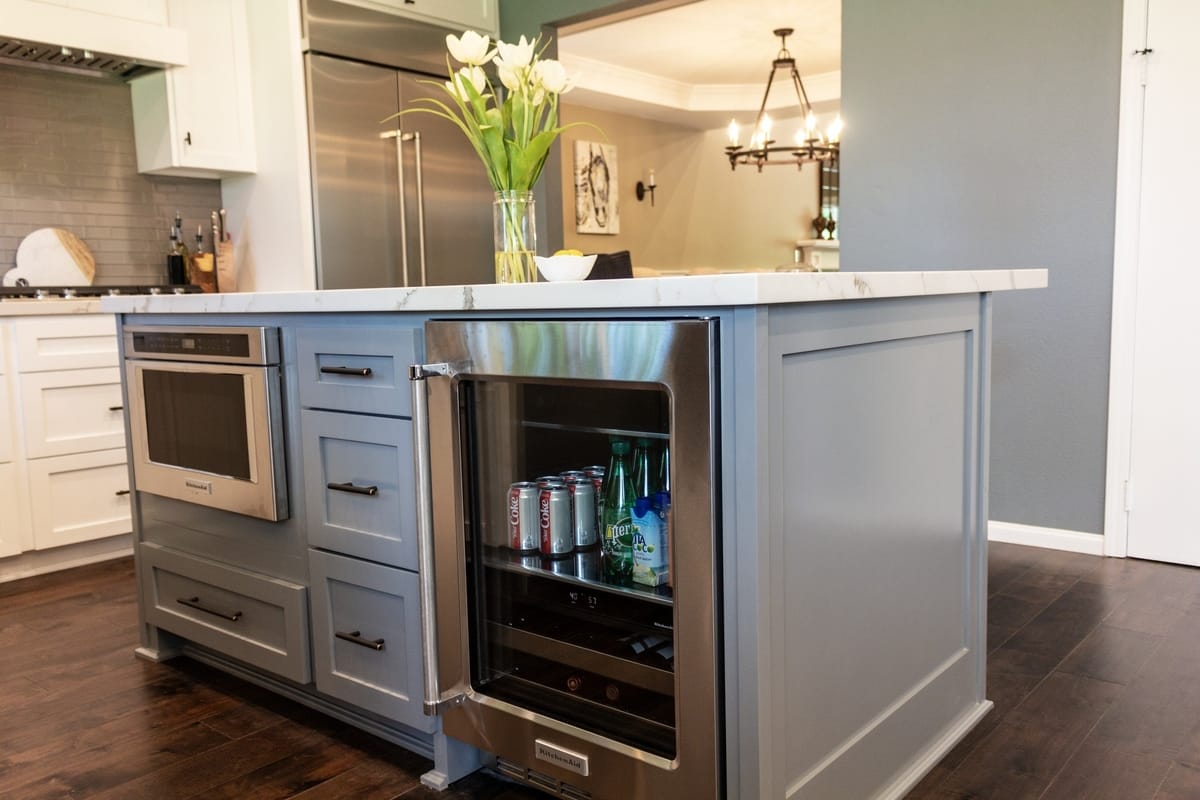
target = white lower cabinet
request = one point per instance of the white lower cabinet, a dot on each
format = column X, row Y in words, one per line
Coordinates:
column 72, row 411
column 366, row 623
column 79, row 497
column 63, row 475
column 10, row 518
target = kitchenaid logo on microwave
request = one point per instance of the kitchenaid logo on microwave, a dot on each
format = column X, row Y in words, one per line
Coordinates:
column 561, row 757
column 198, row 485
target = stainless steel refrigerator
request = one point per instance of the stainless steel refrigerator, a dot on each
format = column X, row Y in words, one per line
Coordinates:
column 404, row 202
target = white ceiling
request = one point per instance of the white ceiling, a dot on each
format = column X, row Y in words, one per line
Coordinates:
column 700, row 63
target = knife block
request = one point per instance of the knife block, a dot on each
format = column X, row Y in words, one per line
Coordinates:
column 226, row 269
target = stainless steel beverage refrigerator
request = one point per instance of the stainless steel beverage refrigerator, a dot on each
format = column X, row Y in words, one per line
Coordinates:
column 583, row 686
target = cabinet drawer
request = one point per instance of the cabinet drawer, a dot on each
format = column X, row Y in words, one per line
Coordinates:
column 82, row 341
column 79, row 497
column 356, row 369
column 262, row 621
column 367, row 636
column 359, row 486
column 72, row 412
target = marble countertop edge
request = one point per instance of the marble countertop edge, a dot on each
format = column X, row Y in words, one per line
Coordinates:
column 729, row 289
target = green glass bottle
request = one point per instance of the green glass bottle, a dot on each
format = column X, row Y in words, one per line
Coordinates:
column 618, row 517
column 643, row 474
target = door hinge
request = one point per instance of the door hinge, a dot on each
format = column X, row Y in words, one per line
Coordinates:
column 1129, row 495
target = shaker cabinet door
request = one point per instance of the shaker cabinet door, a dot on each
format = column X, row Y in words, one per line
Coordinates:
column 359, row 486
column 366, row 621
column 10, row 516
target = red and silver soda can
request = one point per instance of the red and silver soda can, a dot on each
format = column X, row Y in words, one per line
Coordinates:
column 549, row 480
column 523, row 532
column 596, row 473
column 554, row 517
column 583, row 512
column 571, row 475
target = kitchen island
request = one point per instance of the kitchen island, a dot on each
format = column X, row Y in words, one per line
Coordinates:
column 851, row 427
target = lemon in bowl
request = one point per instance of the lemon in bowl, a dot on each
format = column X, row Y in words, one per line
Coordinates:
column 565, row 265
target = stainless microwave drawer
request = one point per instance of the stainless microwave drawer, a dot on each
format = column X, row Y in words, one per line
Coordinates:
column 262, row 621
column 367, row 636
column 362, row 369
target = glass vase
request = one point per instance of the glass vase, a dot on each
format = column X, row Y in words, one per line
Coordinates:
column 515, row 237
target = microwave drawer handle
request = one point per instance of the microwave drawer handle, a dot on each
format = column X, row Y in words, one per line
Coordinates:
column 350, row 487
column 435, row 703
column 356, row 637
column 357, row 372
column 194, row 602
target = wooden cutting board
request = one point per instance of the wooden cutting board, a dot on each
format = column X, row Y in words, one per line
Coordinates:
column 52, row 257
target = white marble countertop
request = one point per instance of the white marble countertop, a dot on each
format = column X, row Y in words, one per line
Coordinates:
column 49, row 306
column 737, row 289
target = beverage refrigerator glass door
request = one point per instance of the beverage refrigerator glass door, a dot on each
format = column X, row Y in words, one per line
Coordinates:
column 566, row 661
column 204, row 416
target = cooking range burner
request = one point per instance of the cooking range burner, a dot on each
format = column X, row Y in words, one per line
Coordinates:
column 69, row 292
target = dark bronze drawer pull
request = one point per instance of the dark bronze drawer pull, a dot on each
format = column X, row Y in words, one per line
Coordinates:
column 116, row 408
column 120, row 492
column 360, row 372
column 356, row 638
column 350, row 487
column 194, row 602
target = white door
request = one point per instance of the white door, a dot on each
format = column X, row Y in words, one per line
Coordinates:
column 1164, row 444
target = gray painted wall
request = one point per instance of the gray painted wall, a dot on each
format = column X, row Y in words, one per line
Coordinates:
column 984, row 134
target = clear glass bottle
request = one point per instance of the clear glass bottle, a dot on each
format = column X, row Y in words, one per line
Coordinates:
column 618, row 517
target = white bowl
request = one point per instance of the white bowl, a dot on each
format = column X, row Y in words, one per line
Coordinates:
column 565, row 268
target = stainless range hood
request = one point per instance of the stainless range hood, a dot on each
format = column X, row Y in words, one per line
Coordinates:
column 92, row 41
column 68, row 59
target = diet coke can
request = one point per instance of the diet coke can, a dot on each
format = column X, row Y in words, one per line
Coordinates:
column 583, row 512
column 554, row 517
column 571, row 475
column 523, row 532
column 596, row 473
column 549, row 480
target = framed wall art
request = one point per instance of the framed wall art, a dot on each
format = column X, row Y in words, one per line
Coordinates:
column 596, row 188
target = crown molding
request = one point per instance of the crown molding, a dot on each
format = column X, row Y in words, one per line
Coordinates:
column 618, row 87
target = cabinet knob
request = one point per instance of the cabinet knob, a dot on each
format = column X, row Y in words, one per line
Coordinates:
column 187, row 139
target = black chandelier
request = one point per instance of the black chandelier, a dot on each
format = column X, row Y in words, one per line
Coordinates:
column 809, row 144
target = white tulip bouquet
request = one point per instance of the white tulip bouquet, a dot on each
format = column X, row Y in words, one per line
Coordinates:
column 512, row 134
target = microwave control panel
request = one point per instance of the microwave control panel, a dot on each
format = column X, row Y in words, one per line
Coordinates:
column 225, row 345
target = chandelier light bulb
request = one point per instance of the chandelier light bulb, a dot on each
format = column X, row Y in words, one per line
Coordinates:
column 835, row 130
column 810, row 124
column 765, row 128
column 733, row 132
column 800, row 137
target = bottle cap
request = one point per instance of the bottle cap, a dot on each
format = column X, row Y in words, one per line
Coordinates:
column 620, row 447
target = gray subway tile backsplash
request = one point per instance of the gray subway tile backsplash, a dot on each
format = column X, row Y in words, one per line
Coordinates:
column 67, row 160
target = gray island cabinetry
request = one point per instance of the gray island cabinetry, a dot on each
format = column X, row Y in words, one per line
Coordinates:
column 850, row 437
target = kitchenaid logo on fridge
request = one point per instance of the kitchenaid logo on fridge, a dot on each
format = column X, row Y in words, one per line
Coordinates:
column 561, row 757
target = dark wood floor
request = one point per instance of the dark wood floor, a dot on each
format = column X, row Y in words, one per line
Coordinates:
column 1094, row 667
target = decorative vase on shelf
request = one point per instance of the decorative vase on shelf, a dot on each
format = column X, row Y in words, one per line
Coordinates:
column 513, row 224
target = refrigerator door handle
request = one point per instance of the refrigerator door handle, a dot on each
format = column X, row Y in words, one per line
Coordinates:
column 400, row 136
column 435, row 703
column 416, row 138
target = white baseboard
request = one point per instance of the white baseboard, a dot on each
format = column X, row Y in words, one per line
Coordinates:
column 40, row 562
column 1050, row 538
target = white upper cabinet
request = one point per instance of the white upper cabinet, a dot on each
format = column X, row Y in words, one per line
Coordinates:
column 133, row 29
column 476, row 15
column 196, row 121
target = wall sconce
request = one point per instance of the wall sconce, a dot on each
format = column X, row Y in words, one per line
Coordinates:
column 643, row 189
